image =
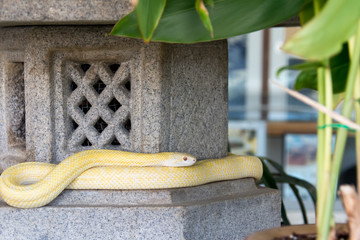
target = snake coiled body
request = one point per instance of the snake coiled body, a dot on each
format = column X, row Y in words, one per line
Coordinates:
column 110, row 169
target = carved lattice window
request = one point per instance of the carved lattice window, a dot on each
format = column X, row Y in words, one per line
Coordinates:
column 98, row 105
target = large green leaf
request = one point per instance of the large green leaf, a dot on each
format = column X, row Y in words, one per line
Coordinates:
column 148, row 14
column 180, row 22
column 324, row 35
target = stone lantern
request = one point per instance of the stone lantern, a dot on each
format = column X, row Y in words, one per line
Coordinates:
column 66, row 86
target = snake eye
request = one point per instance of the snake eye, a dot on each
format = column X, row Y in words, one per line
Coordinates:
column 184, row 158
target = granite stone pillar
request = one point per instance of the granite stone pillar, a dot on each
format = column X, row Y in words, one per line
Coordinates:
column 85, row 90
column 66, row 86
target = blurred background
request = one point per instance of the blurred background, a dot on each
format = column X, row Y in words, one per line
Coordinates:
column 265, row 121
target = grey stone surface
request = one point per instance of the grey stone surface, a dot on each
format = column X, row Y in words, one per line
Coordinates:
column 15, row 102
column 216, row 190
column 177, row 101
column 199, row 98
column 53, row 12
column 223, row 210
column 12, row 109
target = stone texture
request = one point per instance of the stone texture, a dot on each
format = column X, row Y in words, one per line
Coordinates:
column 198, row 98
column 38, row 12
column 177, row 102
column 217, row 190
column 12, row 109
column 223, row 210
column 88, row 102
column 15, row 102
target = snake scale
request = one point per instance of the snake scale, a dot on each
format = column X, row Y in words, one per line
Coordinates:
column 35, row 184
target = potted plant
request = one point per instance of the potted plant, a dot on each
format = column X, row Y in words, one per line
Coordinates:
column 329, row 42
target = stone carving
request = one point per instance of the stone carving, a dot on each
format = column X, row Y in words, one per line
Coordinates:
column 98, row 105
column 177, row 96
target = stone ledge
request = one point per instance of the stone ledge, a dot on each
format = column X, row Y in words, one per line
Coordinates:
column 223, row 210
column 211, row 192
column 67, row 12
column 177, row 196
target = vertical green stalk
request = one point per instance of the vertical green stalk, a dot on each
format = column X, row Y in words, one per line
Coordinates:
column 324, row 158
column 321, row 132
column 356, row 96
column 342, row 132
column 320, row 143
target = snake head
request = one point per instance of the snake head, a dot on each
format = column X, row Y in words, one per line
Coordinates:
column 180, row 160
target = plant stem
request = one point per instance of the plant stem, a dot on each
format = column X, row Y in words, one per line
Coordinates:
column 320, row 150
column 324, row 164
column 323, row 161
column 342, row 132
column 356, row 96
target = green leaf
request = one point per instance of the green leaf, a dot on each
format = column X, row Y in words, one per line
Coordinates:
column 300, row 201
column 180, row 22
column 311, row 189
column 204, row 16
column 283, row 177
column 301, row 66
column 210, row 3
column 267, row 177
column 339, row 73
column 148, row 14
column 339, row 65
column 269, row 181
column 307, row 78
column 128, row 25
column 306, row 13
column 324, row 35
column 284, row 217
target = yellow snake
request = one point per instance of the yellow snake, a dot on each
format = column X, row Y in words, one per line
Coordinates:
column 35, row 184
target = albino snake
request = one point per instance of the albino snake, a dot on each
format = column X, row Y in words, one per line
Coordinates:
column 35, row 184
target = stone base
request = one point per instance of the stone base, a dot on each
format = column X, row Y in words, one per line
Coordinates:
column 222, row 210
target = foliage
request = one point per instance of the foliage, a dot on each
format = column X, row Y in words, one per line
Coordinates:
column 148, row 17
column 307, row 78
column 336, row 22
column 271, row 179
column 330, row 43
column 186, row 22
